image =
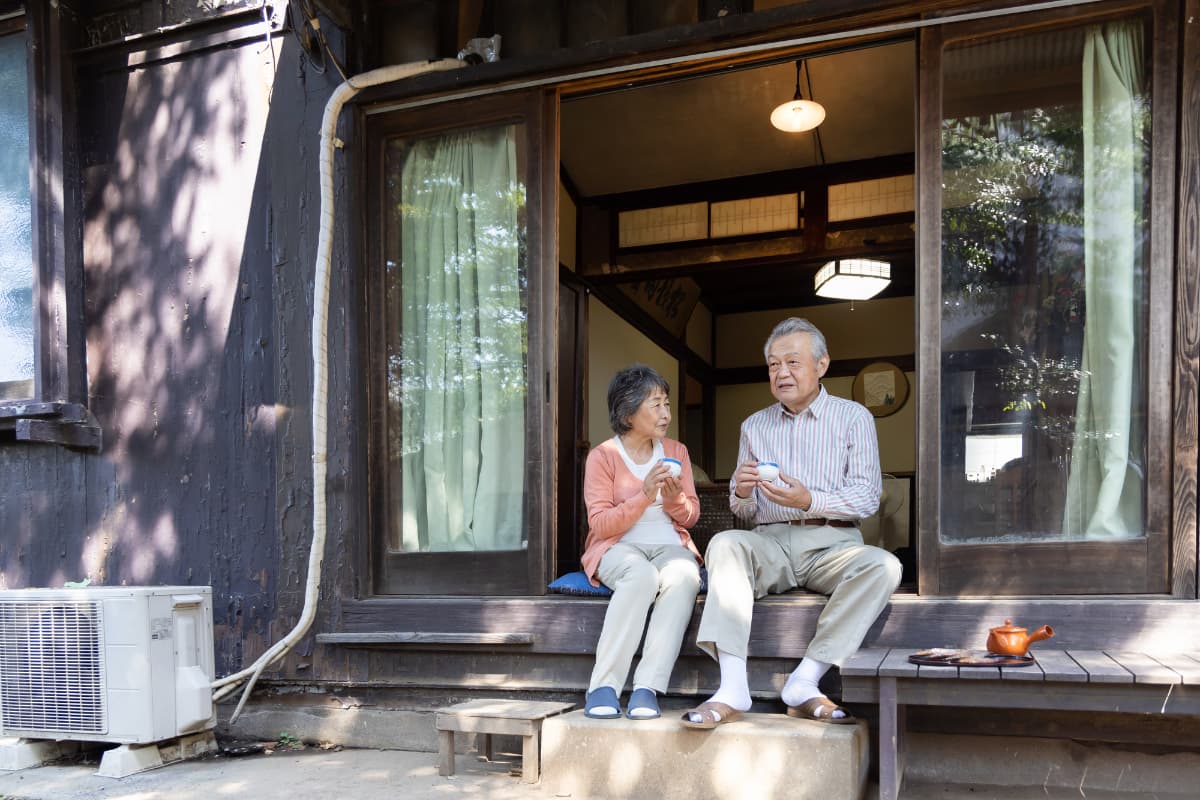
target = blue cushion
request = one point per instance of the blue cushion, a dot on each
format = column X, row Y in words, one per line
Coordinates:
column 577, row 583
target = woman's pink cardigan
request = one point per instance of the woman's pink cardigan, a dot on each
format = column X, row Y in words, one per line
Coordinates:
column 615, row 501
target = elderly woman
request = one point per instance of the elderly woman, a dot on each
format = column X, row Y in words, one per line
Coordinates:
column 640, row 502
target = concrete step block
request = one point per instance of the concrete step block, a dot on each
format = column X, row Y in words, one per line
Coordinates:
column 760, row 757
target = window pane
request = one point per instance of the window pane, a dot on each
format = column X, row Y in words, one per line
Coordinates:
column 16, row 260
column 456, row 317
column 1045, row 245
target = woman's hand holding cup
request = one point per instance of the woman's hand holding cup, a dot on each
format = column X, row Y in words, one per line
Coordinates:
column 658, row 475
column 672, row 485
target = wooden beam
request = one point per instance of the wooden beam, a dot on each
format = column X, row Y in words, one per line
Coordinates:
column 929, row 302
column 77, row 435
column 399, row 638
column 784, row 624
column 813, row 17
column 1160, row 368
column 777, row 182
column 32, row 409
column 1185, row 577
column 705, row 260
column 1127, row 697
column 161, row 40
column 56, row 197
column 619, row 302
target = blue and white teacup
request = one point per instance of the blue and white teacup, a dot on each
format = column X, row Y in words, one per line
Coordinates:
column 768, row 471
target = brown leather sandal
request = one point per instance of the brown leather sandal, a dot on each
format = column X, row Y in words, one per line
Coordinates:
column 711, row 715
column 821, row 709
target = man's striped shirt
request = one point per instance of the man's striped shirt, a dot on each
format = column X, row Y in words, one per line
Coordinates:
column 830, row 447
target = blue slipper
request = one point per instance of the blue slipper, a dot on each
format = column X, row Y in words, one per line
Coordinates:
column 643, row 699
column 604, row 696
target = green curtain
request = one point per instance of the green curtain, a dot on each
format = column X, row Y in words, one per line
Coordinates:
column 463, row 341
column 1105, row 487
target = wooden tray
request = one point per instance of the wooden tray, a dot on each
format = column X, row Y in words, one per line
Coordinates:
column 945, row 657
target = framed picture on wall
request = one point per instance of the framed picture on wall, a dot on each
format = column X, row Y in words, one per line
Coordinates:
column 882, row 387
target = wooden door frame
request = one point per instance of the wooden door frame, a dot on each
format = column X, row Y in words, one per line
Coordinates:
column 469, row 573
column 996, row 565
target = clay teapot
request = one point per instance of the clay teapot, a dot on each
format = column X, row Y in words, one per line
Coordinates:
column 1009, row 640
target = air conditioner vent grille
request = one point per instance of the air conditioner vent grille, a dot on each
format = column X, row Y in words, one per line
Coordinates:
column 52, row 666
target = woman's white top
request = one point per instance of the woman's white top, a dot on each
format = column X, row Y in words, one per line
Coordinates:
column 655, row 526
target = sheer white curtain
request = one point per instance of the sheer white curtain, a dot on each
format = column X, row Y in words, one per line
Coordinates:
column 1105, row 487
column 463, row 340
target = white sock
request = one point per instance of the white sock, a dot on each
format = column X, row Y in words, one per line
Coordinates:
column 802, row 683
column 642, row 713
column 605, row 710
column 734, row 690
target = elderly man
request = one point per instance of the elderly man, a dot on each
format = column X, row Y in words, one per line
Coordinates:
column 806, row 533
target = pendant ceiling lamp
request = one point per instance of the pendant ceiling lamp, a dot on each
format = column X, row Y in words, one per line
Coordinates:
column 853, row 279
column 798, row 115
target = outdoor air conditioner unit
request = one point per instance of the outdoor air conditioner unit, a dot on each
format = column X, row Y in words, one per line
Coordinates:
column 127, row 664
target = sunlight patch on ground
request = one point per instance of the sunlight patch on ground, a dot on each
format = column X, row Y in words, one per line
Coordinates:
column 233, row 789
column 422, row 772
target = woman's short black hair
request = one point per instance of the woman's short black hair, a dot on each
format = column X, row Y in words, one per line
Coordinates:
column 628, row 389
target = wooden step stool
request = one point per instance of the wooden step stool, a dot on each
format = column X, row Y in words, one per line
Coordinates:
column 486, row 717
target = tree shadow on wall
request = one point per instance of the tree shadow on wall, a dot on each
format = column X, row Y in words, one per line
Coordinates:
column 200, row 224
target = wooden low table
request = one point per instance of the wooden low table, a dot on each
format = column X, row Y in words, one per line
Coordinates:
column 486, row 717
column 1065, row 680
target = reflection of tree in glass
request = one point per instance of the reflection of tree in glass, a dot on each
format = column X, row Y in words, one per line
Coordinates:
column 1011, row 192
column 1012, row 257
column 1031, row 381
column 1012, row 245
column 1015, row 258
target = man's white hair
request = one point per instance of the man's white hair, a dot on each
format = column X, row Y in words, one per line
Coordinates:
column 816, row 339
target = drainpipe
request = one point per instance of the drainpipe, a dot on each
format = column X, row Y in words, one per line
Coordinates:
column 223, row 687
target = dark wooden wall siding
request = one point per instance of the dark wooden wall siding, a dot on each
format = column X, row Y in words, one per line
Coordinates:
column 201, row 211
column 180, row 335
column 399, row 31
column 589, row 21
column 43, row 491
column 112, row 20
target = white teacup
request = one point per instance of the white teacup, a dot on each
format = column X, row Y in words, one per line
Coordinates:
column 768, row 471
column 674, row 466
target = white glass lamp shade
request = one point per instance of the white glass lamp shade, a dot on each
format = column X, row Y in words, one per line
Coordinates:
column 797, row 116
column 853, row 279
